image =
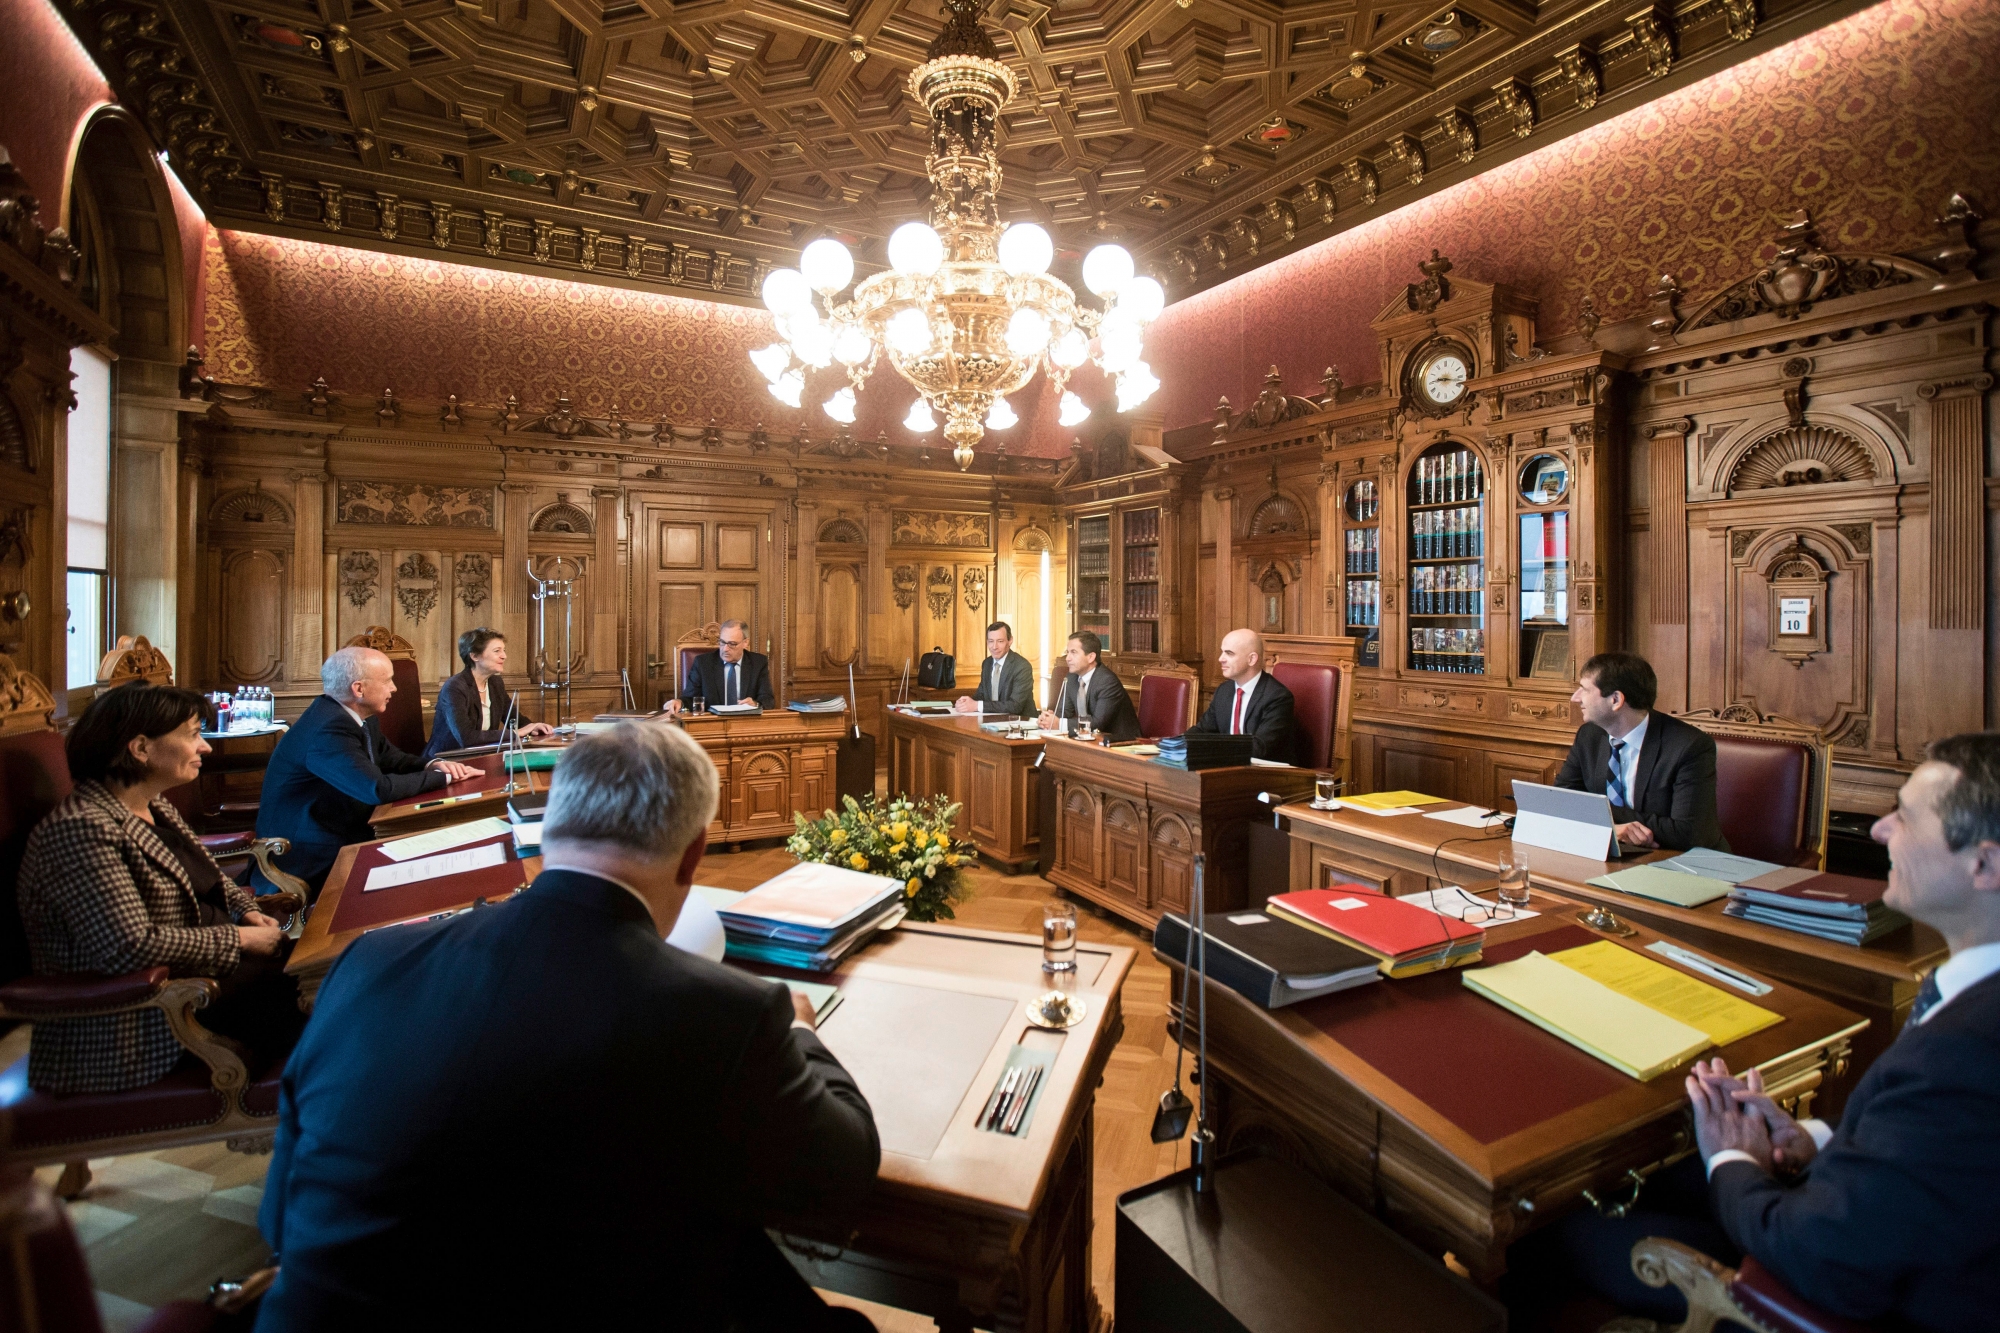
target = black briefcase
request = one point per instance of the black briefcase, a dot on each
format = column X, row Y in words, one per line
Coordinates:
column 938, row 670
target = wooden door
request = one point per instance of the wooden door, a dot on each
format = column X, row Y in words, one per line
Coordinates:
column 704, row 561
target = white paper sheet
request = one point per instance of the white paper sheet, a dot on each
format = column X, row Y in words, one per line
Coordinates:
column 1370, row 810
column 443, row 839
column 1458, row 904
column 431, row 867
column 1468, row 816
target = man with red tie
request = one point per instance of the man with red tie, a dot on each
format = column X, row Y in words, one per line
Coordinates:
column 1250, row 702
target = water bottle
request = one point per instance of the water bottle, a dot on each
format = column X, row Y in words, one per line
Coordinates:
column 222, row 710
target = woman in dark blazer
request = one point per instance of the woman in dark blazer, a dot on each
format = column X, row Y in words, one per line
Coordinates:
column 460, row 722
column 114, row 881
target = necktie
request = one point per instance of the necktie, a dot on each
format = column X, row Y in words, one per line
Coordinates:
column 986, row 680
column 729, row 685
column 1236, row 720
column 1927, row 997
column 1614, row 786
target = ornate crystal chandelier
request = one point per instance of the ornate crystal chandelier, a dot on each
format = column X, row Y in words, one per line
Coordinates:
column 967, row 311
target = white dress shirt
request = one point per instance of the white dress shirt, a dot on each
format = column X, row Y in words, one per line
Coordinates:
column 1628, row 760
column 1082, row 693
column 1960, row 972
column 1243, row 694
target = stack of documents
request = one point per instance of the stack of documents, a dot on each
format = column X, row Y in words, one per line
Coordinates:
column 1841, row 908
column 1204, row 749
column 749, row 709
column 1405, row 940
column 825, row 703
column 538, row 760
column 1664, row 885
column 1725, row 866
column 524, row 812
column 811, row 916
column 1389, row 802
column 1638, row 1016
column 1268, row 960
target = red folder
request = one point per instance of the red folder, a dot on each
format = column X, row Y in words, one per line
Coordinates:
column 1383, row 926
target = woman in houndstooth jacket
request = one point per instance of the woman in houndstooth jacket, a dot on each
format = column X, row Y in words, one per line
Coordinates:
column 114, row 881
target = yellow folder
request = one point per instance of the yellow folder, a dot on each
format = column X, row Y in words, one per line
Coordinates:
column 1586, row 1013
column 1676, row 994
column 1392, row 800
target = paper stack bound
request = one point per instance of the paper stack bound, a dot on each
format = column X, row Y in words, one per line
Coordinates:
column 1841, row 908
column 1268, row 960
column 1406, row 940
column 811, row 916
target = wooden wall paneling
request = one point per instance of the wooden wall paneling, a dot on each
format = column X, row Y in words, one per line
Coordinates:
column 1666, row 559
column 306, row 650
column 145, row 527
column 806, row 607
column 602, row 609
column 1956, row 661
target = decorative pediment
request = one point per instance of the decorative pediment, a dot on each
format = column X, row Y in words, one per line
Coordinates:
column 562, row 516
column 135, row 659
column 1802, row 274
column 843, row 532
column 1272, row 407
column 252, row 506
column 25, row 703
column 1802, row 456
column 385, row 641
column 563, row 422
column 1279, row 516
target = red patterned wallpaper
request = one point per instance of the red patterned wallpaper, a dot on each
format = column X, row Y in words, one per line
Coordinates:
column 1871, row 123
column 282, row 312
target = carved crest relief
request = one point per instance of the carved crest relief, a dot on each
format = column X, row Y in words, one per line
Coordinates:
column 415, row 505
column 974, row 585
column 360, row 577
column 417, row 581
column 938, row 591
column 904, row 580
column 916, row 527
column 474, row 576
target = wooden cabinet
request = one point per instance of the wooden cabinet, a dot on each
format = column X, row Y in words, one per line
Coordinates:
column 1133, row 529
column 993, row 780
column 771, row 765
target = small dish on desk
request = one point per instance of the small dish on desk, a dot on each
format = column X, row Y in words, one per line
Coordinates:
column 1317, row 804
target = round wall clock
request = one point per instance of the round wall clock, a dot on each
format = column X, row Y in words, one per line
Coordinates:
column 1437, row 377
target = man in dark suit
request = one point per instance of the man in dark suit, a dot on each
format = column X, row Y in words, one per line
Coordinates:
column 1006, row 681
column 1889, row 1217
column 729, row 675
column 333, row 767
column 1658, row 771
column 542, row 1115
column 1091, row 693
column 1250, row 702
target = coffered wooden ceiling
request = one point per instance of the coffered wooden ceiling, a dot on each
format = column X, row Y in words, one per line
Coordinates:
column 692, row 146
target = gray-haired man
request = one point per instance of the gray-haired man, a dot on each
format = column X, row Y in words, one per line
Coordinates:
column 541, row 1115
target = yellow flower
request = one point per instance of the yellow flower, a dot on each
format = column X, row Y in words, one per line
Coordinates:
column 943, row 842
column 910, row 889
column 897, row 850
column 837, row 837
column 920, row 838
column 884, row 828
column 951, row 860
column 858, row 861
column 901, row 831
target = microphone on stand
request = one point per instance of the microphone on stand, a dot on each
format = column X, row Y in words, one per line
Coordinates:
column 510, row 739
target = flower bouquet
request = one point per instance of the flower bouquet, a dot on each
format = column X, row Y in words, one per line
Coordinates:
column 904, row 839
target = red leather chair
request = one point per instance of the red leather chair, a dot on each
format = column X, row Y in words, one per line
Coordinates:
column 403, row 719
column 1770, row 786
column 684, row 661
column 1749, row 1296
column 1166, row 705
column 209, row 1095
column 1315, row 707
column 47, row 1284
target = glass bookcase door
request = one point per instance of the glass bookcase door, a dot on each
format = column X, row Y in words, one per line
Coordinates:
column 1142, row 581
column 1093, row 575
column 1446, row 553
column 1545, row 568
column 1361, row 514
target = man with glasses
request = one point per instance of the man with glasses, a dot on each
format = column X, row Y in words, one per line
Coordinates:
column 730, row 675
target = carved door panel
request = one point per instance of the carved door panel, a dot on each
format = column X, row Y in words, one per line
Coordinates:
column 904, row 756
column 1076, row 834
column 1417, row 766
column 940, row 777
column 839, row 614
column 982, row 799
column 700, row 561
column 254, row 617
column 1507, row 768
column 761, row 793
column 1170, row 868
column 1124, row 851
column 812, row 784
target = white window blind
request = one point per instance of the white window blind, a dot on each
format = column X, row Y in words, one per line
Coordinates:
column 90, row 461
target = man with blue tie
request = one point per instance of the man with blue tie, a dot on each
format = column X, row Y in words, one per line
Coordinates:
column 729, row 675
column 1888, row 1217
column 334, row 766
column 1658, row 771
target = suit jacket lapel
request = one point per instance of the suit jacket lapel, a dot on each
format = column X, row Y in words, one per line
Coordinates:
column 144, row 838
column 1649, row 754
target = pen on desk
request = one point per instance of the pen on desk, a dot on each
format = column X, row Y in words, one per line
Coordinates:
column 1017, row 1099
column 992, row 1100
column 1006, row 1090
column 1021, row 1102
column 1687, row 958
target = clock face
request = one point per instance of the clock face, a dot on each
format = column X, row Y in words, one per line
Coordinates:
column 1442, row 379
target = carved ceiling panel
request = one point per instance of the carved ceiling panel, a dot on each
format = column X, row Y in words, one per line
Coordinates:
column 694, row 145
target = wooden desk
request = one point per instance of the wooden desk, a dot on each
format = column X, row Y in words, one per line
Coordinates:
column 1463, row 1124
column 1127, row 828
column 457, row 802
column 1879, row 981
column 966, row 1226
column 344, row 912
column 993, row 779
column 772, row 764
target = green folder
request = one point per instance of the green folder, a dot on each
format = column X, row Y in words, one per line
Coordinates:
column 1666, row 886
column 533, row 760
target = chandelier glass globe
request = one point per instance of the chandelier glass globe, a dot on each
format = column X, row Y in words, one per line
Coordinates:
column 909, row 332
column 1002, row 416
column 851, row 345
column 915, row 249
column 813, row 343
column 1071, row 349
column 785, row 291
column 771, row 361
column 1106, row 269
column 1135, row 386
column 840, row 407
column 1027, row 332
column 1073, row 412
column 1144, row 299
column 789, row 388
column 920, row 419
column 1026, row 248
column 826, row 265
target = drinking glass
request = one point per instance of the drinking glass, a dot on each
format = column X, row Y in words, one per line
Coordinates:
column 1325, row 787
column 1058, row 937
column 1514, row 878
